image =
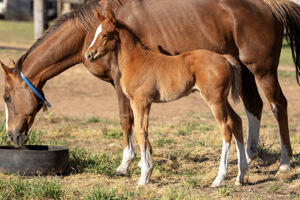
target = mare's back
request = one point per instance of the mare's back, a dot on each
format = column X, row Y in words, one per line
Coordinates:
column 176, row 26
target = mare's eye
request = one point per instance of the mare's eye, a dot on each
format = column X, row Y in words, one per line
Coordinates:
column 105, row 35
column 7, row 99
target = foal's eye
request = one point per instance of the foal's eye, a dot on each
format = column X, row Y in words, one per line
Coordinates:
column 105, row 35
column 7, row 99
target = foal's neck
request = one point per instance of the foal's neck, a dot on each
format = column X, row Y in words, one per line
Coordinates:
column 130, row 47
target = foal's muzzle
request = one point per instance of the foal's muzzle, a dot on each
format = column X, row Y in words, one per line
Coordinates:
column 91, row 55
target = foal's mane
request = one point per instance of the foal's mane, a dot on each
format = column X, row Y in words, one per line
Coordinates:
column 84, row 14
column 135, row 38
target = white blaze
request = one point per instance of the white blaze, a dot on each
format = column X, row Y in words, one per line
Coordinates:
column 98, row 31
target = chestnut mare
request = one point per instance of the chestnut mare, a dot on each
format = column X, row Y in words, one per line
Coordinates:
column 149, row 77
column 239, row 28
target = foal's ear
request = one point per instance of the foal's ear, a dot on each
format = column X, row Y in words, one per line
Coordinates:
column 111, row 17
column 101, row 14
column 8, row 72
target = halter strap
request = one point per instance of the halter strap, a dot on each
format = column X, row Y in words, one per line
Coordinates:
column 40, row 96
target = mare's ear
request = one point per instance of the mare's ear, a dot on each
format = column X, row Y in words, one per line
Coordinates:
column 8, row 72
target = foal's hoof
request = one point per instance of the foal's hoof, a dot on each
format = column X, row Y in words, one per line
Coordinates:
column 121, row 172
column 214, row 186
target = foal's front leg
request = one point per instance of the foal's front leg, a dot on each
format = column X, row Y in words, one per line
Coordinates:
column 141, row 117
column 127, row 120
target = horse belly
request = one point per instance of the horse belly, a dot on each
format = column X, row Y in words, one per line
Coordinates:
column 173, row 87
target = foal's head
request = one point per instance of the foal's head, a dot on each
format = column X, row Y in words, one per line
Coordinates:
column 105, row 39
column 21, row 106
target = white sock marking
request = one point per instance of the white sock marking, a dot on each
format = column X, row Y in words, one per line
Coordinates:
column 223, row 168
column 242, row 162
column 98, row 31
column 275, row 110
column 253, row 135
column 128, row 156
column 145, row 167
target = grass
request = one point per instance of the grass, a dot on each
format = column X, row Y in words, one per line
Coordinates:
column 19, row 187
column 94, row 162
column 10, row 32
column 183, row 170
column 286, row 54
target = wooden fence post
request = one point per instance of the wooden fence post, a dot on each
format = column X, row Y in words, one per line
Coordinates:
column 39, row 18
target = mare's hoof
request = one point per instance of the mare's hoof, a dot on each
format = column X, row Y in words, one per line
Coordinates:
column 237, row 183
column 140, row 165
column 283, row 171
column 251, row 157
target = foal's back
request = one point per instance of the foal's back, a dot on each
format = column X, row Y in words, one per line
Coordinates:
column 167, row 78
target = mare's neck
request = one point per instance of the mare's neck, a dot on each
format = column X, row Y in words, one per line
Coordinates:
column 57, row 52
column 129, row 48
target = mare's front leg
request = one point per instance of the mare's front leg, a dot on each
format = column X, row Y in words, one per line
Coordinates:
column 141, row 111
column 126, row 118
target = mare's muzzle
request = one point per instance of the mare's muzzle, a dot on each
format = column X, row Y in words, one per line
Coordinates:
column 18, row 138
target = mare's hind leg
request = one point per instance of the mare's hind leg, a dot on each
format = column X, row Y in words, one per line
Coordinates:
column 253, row 107
column 229, row 122
column 278, row 103
column 126, row 118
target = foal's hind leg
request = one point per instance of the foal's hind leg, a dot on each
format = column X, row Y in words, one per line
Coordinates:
column 141, row 111
column 278, row 103
column 229, row 122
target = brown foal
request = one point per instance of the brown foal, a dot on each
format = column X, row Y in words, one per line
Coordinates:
column 149, row 77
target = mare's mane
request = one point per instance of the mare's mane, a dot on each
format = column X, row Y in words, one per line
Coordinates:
column 83, row 14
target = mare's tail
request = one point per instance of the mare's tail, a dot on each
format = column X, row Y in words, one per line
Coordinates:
column 288, row 13
column 236, row 82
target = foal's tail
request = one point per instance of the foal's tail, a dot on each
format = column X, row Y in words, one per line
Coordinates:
column 236, row 82
column 288, row 13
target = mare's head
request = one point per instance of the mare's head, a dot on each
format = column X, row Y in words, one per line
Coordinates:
column 105, row 39
column 21, row 105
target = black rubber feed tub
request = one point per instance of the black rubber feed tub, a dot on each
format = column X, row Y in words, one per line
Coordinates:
column 34, row 159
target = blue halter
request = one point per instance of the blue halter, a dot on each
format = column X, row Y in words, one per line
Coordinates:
column 40, row 96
